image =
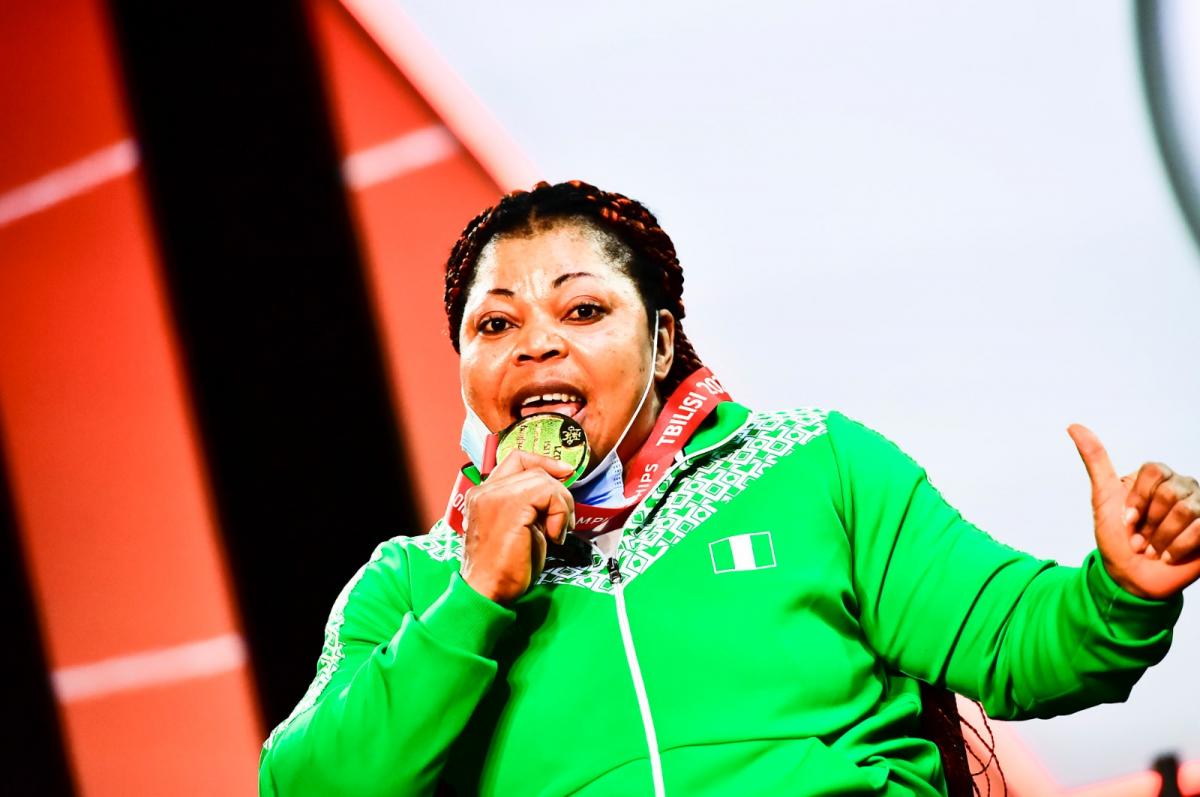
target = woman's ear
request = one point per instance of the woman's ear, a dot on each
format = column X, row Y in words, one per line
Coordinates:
column 666, row 345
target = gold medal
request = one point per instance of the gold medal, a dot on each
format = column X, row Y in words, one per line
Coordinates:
column 547, row 434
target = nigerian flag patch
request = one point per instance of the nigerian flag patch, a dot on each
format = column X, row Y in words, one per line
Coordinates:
column 752, row 551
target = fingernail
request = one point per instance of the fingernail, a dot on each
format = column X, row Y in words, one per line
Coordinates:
column 1131, row 514
column 1166, row 557
column 1137, row 542
column 1150, row 552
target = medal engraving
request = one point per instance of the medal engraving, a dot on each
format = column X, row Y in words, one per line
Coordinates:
column 547, row 434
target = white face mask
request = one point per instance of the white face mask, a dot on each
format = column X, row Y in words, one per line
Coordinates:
column 473, row 441
column 605, row 484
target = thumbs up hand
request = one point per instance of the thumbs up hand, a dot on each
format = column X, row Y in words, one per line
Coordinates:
column 1147, row 525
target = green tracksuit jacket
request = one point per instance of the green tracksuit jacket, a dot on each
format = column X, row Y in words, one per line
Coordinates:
column 781, row 591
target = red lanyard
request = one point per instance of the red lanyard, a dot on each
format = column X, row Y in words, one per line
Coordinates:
column 692, row 402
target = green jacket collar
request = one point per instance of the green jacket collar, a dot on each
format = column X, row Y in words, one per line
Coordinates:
column 726, row 420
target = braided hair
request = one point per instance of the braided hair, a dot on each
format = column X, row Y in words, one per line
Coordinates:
column 634, row 239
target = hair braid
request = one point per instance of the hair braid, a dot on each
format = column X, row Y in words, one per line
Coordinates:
column 654, row 265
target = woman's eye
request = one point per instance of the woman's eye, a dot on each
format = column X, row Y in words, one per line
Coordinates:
column 586, row 312
column 493, row 325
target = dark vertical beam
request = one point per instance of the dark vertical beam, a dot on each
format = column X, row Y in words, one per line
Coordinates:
column 1171, row 139
column 35, row 757
column 286, row 370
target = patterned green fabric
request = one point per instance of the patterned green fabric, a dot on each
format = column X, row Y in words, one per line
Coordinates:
column 782, row 590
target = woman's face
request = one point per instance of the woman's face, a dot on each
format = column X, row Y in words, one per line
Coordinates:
column 552, row 324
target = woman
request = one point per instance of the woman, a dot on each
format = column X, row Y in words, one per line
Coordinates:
column 759, row 595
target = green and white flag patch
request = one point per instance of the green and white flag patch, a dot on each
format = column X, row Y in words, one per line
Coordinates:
column 753, row 551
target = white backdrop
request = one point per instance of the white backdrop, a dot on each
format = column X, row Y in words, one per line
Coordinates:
column 947, row 220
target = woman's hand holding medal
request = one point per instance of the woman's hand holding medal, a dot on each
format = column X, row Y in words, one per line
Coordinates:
column 508, row 519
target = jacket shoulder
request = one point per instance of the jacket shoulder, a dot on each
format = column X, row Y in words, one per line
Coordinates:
column 441, row 543
column 781, row 431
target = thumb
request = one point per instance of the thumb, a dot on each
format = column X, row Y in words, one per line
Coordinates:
column 1095, row 458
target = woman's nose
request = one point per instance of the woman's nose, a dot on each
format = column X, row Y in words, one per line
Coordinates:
column 540, row 342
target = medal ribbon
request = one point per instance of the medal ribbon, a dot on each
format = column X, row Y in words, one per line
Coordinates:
column 685, row 410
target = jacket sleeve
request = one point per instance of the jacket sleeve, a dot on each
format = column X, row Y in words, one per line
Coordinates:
column 942, row 601
column 394, row 688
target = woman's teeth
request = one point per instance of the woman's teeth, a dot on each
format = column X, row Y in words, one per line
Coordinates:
column 560, row 397
column 564, row 403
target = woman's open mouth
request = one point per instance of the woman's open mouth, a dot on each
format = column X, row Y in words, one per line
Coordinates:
column 569, row 404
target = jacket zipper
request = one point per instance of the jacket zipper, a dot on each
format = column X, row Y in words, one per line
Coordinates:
column 639, row 688
column 635, row 669
column 614, row 570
